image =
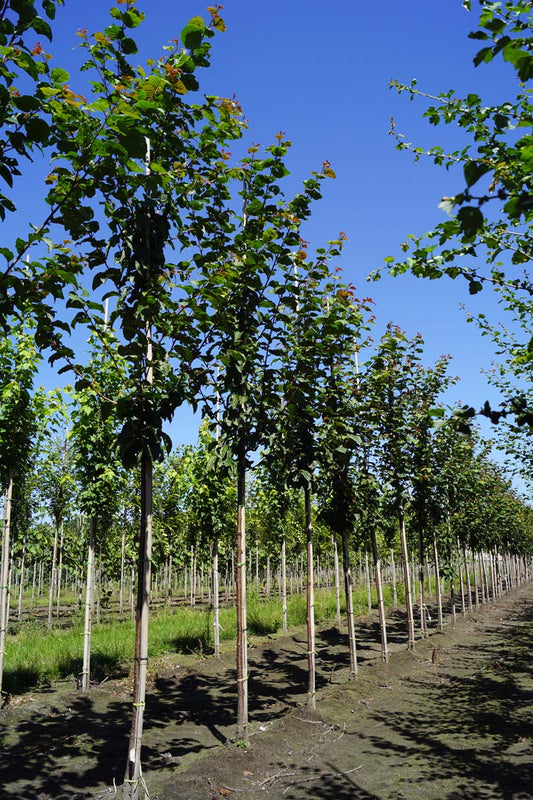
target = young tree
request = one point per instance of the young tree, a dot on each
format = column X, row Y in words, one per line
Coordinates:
column 18, row 426
column 93, row 438
column 390, row 387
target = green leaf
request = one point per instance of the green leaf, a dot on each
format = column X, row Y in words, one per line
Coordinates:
column 471, row 220
column 59, row 75
column 473, row 171
column 129, row 46
column 193, row 33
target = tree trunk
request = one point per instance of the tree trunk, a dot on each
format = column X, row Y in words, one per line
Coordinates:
column 51, row 589
column 476, row 573
column 122, row 564
column 33, row 583
column 267, row 589
column 89, row 589
column 216, row 601
column 337, row 582
column 311, row 688
column 348, row 591
column 468, row 586
column 133, row 769
column 368, row 587
column 4, row 575
column 407, row 580
column 193, row 577
column 421, row 586
column 394, row 588
column 284, row 585
column 242, row 654
column 461, row 582
column 381, row 604
column 440, row 623
column 21, row 585
column 169, row 581
column 60, row 568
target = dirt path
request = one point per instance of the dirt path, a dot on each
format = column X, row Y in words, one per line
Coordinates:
column 457, row 726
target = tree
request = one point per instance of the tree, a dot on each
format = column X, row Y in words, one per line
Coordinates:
column 155, row 163
column 488, row 239
column 248, row 284
column 98, row 470
column 390, row 387
column 18, row 426
column 341, row 450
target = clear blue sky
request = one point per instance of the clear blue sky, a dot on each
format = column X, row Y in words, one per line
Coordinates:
column 319, row 71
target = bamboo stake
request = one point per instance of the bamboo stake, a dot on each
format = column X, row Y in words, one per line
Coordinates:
column 4, row 574
column 311, row 655
column 89, row 591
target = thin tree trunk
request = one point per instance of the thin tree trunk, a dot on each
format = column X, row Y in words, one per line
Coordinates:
column 337, row 581
column 476, row 572
column 348, row 592
column 21, row 585
column 381, row 604
column 133, row 769
column 33, row 583
column 311, row 688
column 394, row 587
column 468, row 585
column 216, row 601
column 53, row 576
column 268, row 577
column 284, row 585
column 60, row 568
column 89, row 589
column 122, row 564
column 461, row 583
column 242, row 654
column 421, row 586
column 193, row 577
column 440, row 623
column 368, row 587
column 169, row 580
column 407, row 580
column 4, row 579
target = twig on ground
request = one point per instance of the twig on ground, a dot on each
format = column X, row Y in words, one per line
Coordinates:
column 322, row 775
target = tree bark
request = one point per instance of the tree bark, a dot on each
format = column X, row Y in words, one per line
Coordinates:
column 440, row 623
column 133, row 776
column 311, row 687
column 242, row 654
column 51, row 589
column 381, row 604
column 348, row 591
column 284, row 585
column 394, row 588
column 337, row 582
column 60, row 568
column 21, row 584
column 407, row 580
column 216, row 601
column 89, row 589
column 367, row 581
column 4, row 575
column 421, row 586
column 122, row 564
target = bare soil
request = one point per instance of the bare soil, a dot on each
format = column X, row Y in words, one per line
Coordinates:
column 450, row 721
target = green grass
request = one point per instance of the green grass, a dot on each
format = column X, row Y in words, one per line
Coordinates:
column 36, row 655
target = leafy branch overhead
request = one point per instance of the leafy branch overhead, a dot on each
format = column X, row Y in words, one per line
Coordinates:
column 491, row 216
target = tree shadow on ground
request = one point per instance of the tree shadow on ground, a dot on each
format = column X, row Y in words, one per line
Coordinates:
column 471, row 723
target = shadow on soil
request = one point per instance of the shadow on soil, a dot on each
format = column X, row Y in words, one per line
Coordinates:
column 460, row 725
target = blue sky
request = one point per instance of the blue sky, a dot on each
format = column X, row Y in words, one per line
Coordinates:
column 319, row 72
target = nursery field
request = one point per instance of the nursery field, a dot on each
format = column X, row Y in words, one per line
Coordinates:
column 449, row 721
